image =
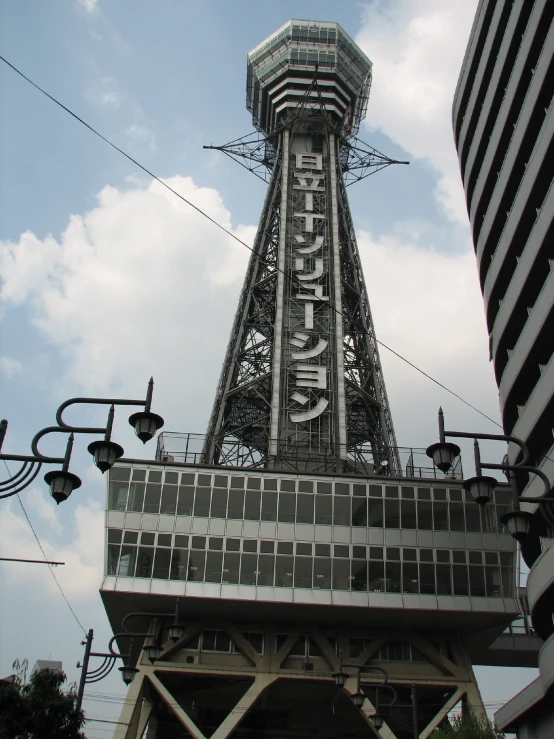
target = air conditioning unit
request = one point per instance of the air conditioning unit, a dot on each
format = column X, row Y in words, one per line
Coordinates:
column 167, row 458
column 191, row 659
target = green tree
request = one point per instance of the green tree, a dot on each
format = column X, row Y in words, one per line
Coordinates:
column 38, row 708
column 468, row 727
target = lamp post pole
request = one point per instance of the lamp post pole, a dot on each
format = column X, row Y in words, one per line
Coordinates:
column 82, row 681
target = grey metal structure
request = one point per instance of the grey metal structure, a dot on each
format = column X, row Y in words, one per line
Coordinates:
column 301, row 386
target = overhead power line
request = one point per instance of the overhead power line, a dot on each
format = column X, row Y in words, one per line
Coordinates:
column 223, row 228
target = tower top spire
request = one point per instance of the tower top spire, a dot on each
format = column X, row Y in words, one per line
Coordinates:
column 282, row 69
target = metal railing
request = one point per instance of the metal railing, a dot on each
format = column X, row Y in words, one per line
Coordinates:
column 187, row 448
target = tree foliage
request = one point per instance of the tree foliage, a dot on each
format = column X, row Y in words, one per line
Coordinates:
column 468, row 727
column 38, row 708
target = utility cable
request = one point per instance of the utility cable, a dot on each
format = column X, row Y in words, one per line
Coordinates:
column 221, row 227
column 46, row 558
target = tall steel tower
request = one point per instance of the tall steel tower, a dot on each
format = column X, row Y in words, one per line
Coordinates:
column 284, row 575
column 302, row 385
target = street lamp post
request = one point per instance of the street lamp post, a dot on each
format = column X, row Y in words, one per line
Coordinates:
column 481, row 486
column 105, row 452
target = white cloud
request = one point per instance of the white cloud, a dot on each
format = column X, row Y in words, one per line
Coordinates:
column 140, row 138
column 417, row 48
column 10, row 367
column 111, row 99
column 89, row 6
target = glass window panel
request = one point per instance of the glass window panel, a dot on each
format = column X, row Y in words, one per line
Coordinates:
column 197, row 564
column 219, row 503
column 324, row 510
column 215, row 542
column 426, row 578
column 456, row 495
column 391, row 492
column 136, row 497
column 410, row 555
column 443, row 555
column 187, row 478
column 375, row 491
column 342, row 511
column 214, row 561
column 322, row 550
column 359, row 490
column 325, row 488
column 252, row 505
column 284, row 568
column 303, row 572
column 198, row 542
column 184, row 500
column 162, row 559
column 231, row 566
column 152, row 498
column 475, row 558
column 489, row 522
column 393, row 553
column 237, row 482
column 376, row 577
column 342, row 488
column 130, row 537
column 444, row 585
column 375, row 513
column 392, row 577
column 473, row 517
column 492, row 581
column 117, row 497
column 305, row 508
column 267, row 547
column 477, row 581
column 410, row 578
column 221, row 481
column 127, row 561
column 269, row 506
column 304, row 549
column 459, row 577
column 248, row 569
column 254, row 483
column 236, row 504
column 305, row 486
column 270, row 484
column 408, row 492
column 491, row 558
column 154, row 476
column 169, row 499
column 322, row 573
column 204, row 480
column 250, row 545
column 457, row 522
column 424, row 493
column 181, row 540
column 439, row 493
column 284, row 547
column 359, row 575
column 288, row 485
column 138, row 475
column 341, row 550
column 172, row 478
column 202, row 502
column 145, row 560
column 359, row 512
column 440, row 515
column 341, row 574
column 424, row 515
column 113, row 559
column 147, row 537
column 114, row 536
column 120, row 473
column 208, row 640
column 232, row 545
column 408, row 514
column 287, row 507
column 359, row 552
column 179, row 562
column 392, row 514
column 426, row 555
column 376, row 552
column 222, row 642
column 266, row 566
column 164, row 540
column 458, row 555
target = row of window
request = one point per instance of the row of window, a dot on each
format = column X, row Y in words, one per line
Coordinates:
column 285, row 507
column 323, row 573
column 308, row 549
column 215, row 640
column 292, row 485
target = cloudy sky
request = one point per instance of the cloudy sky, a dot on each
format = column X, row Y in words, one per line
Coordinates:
column 107, row 278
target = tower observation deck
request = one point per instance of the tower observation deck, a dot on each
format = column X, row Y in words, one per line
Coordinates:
column 245, row 566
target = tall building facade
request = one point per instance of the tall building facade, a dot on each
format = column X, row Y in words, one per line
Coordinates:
column 504, row 124
column 293, row 573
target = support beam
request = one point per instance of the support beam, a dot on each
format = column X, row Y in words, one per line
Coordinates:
column 243, row 706
column 175, row 708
